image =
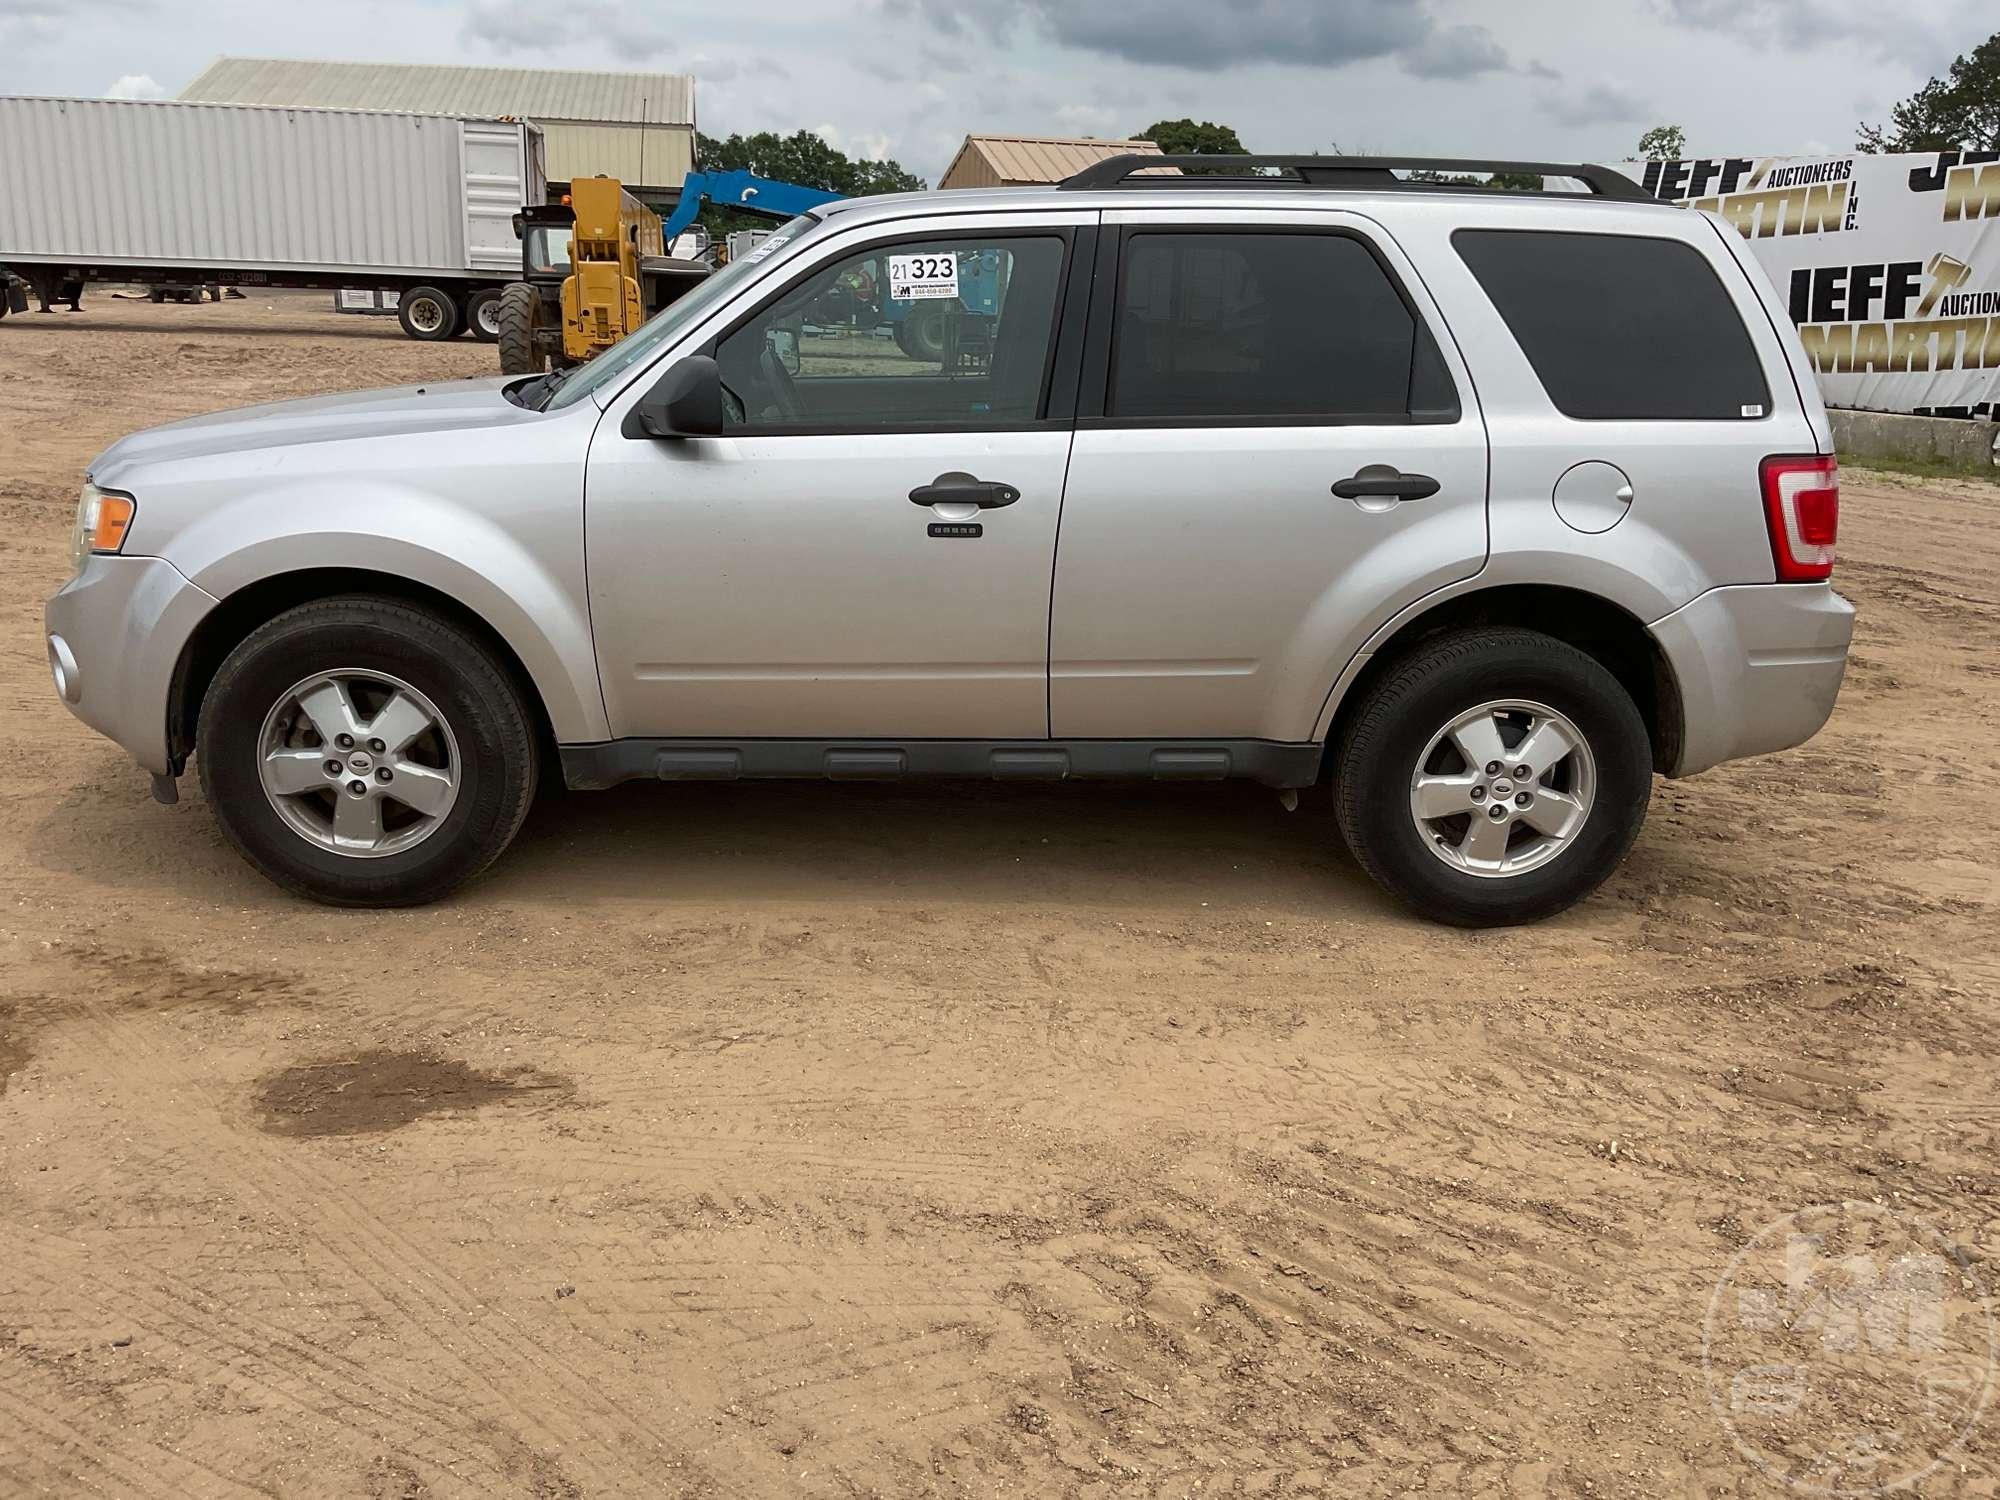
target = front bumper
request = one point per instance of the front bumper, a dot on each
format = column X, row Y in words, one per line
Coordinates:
column 1758, row 666
column 115, row 635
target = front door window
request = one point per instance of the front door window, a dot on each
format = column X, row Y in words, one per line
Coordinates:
column 948, row 335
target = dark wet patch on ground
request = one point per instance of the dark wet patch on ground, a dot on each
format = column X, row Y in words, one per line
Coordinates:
column 383, row 1090
column 14, row 1048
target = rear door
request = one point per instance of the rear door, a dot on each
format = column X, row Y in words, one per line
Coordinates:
column 1276, row 445
column 498, row 168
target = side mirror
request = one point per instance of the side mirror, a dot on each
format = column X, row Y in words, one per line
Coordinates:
column 684, row 402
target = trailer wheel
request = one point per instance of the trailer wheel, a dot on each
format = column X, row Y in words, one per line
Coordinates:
column 514, row 329
column 482, row 314
column 928, row 331
column 428, row 314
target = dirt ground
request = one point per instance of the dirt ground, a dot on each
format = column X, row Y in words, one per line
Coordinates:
column 829, row 1141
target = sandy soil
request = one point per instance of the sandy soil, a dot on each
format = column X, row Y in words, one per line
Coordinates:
column 973, row 1140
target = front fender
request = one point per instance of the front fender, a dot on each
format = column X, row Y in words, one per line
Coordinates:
column 537, row 607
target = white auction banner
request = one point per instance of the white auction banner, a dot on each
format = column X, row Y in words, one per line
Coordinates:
column 1890, row 266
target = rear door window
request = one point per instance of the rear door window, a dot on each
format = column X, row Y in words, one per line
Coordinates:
column 1620, row 327
column 1268, row 327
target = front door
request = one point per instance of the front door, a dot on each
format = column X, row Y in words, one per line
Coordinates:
column 865, row 552
column 1273, row 453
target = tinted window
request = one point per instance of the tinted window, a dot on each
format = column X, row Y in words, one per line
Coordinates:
column 947, row 333
column 1620, row 326
column 1268, row 325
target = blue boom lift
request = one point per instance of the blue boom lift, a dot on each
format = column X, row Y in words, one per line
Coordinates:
column 744, row 191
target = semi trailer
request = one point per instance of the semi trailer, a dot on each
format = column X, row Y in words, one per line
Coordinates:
column 160, row 192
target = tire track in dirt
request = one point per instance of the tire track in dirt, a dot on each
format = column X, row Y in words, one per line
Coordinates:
column 370, row 1255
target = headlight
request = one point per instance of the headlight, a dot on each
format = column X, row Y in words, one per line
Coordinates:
column 102, row 519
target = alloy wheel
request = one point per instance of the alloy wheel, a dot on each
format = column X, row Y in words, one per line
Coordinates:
column 1503, row 788
column 359, row 763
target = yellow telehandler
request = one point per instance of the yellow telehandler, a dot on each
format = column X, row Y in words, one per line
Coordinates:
column 593, row 268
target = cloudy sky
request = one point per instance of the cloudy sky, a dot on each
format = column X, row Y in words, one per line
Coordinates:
column 1562, row 79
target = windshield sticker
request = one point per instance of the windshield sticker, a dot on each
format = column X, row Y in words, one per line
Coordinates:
column 773, row 243
column 916, row 278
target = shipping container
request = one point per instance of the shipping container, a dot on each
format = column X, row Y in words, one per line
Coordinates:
column 163, row 191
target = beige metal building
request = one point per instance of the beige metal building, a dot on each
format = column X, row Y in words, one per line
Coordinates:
column 1024, row 160
column 638, row 127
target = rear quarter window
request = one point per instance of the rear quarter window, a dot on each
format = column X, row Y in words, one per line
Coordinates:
column 1620, row 327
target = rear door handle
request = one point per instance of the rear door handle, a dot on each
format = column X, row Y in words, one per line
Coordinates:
column 1386, row 481
column 962, row 489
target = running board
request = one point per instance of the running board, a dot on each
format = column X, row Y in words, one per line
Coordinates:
column 1271, row 762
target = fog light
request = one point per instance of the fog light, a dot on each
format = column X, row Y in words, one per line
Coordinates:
column 63, row 667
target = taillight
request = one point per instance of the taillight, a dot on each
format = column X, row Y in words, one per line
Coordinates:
column 1802, row 509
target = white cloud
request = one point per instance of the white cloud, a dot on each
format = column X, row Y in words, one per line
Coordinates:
column 1089, row 119
column 135, row 86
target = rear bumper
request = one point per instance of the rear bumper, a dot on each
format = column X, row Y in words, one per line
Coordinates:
column 1758, row 667
column 115, row 634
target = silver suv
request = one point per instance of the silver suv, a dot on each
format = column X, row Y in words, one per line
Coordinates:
column 1482, row 506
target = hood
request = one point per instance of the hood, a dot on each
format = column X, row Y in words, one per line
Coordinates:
column 442, row 406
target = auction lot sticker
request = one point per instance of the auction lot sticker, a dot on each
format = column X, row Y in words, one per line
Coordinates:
column 1849, row 1350
column 917, row 278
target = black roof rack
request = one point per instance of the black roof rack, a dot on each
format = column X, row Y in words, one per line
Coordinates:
column 1357, row 172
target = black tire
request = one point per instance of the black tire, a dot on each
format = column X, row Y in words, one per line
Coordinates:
column 482, row 310
column 516, row 317
column 926, row 331
column 429, row 315
column 473, row 692
column 1386, row 736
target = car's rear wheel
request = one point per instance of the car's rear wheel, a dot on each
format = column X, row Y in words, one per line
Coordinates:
column 366, row 752
column 1494, row 776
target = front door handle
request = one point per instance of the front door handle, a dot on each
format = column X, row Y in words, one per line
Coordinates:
column 962, row 489
column 1386, row 481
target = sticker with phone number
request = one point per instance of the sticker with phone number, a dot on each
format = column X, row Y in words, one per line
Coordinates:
column 916, row 278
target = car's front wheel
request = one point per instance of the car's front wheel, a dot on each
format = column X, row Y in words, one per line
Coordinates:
column 366, row 752
column 1494, row 776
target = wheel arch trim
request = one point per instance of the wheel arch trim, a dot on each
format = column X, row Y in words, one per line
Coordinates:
column 539, row 633
column 1522, row 597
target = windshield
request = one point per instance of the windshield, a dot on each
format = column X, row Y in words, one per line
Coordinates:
column 668, row 324
column 548, row 247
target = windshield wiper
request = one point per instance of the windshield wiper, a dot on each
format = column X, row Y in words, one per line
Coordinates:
column 536, row 393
